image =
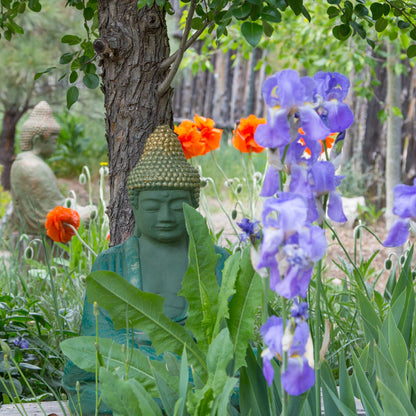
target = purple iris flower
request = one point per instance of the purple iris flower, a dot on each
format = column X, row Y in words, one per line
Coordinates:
column 300, row 252
column 281, row 218
column 250, row 230
column 324, row 181
column 286, row 93
column 271, row 182
column 405, row 208
column 299, row 376
column 300, row 184
column 21, row 343
column 333, row 88
column 300, row 311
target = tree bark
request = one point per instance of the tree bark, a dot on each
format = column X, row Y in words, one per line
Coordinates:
column 11, row 117
column 137, row 43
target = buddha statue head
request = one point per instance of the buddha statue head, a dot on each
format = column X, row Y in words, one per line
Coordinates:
column 160, row 183
column 40, row 131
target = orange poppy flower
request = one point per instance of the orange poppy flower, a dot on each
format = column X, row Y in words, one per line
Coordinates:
column 329, row 141
column 198, row 137
column 243, row 137
column 56, row 224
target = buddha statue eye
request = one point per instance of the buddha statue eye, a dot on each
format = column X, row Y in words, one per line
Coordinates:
column 151, row 206
column 177, row 205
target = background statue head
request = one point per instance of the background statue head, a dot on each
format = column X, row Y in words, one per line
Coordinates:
column 159, row 184
column 40, row 131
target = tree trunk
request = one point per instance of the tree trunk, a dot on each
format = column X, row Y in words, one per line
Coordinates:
column 136, row 42
column 394, row 130
column 7, row 138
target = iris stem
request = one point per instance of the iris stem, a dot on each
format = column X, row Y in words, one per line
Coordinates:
column 285, row 397
column 317, row 338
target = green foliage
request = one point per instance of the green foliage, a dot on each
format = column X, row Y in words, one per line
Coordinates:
column 220, row 341
column 369, row 213
column 75, row 147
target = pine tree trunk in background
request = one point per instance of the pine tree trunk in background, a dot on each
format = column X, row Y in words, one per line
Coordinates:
column 11, row 117
column 394, row 130
column 133, row 44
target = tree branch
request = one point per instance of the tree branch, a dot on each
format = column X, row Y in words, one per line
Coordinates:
column 176, row 58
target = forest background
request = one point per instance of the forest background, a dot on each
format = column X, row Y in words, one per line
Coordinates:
column 220, row 77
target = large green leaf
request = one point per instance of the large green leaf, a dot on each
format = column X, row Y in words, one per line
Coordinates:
column 329, row 384
column 398, row 348
column 391, row 403
column 219, row 355
column 367, row 395
column 199, row 284
column 342, row 406
column 229, row 276
column 372, row 322
column 388, row 375
column 144, row 311
column 405, row 284
column 82, row 352
column 254, row 399
column 243, row 307
column 126, row 397
column 346, row 393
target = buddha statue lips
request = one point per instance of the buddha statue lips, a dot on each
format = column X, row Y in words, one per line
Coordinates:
column 155, row 257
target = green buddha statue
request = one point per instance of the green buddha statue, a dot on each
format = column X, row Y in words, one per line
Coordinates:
column 34, row 187
column 155, row 257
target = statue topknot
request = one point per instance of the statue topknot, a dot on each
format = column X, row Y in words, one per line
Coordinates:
column 40, row 121
column 163, row 165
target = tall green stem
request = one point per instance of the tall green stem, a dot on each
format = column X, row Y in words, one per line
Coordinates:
column 285, row 397
column 317, row 338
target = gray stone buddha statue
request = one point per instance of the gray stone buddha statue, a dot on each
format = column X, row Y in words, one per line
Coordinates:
column 34, row 187
column 154, row 258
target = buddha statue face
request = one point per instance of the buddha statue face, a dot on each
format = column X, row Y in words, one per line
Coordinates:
column 45, row 146
column 159, row 214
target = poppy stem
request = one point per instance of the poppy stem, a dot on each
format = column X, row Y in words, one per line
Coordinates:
column 80, row 239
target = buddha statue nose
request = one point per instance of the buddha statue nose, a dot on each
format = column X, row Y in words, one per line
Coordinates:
column 164, row 213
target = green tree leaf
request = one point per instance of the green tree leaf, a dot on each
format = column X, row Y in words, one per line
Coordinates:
column 332, row 12
column 342, row 32
column 381, row 24
column 296, row 6
column 66, row 58
column 71, row 39
column 377, row 10
column 144, row 311
column 71, row 96
column 252, row 32
column 39, row 74
column 91, row 81
column 411, row 51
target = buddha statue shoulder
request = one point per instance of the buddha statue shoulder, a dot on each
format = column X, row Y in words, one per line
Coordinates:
column 34, row 187
column 155, row 257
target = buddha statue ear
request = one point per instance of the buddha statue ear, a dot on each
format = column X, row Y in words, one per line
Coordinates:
column 134, row 202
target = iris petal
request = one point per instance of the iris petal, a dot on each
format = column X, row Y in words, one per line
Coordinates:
column 298, row 377
column 312, row 124
column 339, row 116
column 398, row 235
